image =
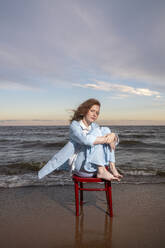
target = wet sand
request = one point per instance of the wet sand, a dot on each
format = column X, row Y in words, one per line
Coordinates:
column 45, row 217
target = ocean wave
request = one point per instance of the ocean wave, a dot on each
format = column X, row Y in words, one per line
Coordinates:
column 21, row 168
column 42, row 144
column 28, row 167
column 8, row 140
column 3, row 140
column 131, row 142
column 142, row 172
column 62, row 178
column 31, row 179
column 137, row 143
column 136, row 136
column 160, row 173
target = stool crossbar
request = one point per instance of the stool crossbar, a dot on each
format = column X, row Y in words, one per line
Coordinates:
column 79, row 187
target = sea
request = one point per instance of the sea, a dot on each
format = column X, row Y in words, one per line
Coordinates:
column 140, row 155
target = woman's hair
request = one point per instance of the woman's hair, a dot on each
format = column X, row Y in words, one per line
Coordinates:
column 83, row 109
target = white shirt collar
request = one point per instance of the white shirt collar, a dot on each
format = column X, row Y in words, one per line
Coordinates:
column 84, row 127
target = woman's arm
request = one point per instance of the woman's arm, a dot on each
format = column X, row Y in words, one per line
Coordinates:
column 107, row 139
column 78, row 136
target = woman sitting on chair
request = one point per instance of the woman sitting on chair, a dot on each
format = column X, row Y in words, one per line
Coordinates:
column 90, row 148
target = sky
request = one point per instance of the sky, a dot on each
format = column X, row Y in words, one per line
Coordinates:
column 55, row 54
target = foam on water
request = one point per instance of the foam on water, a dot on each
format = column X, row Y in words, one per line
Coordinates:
column 63, row 178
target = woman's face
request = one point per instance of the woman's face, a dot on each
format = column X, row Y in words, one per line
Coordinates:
column 92, row 114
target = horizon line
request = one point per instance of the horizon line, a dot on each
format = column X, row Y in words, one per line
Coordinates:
column 66, row 122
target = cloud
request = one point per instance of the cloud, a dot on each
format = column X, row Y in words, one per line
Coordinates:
column 119, row 96
column 117, row 88
column 9, row 85
column 72, row 40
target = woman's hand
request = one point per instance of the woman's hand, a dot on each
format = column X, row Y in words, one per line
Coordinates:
column 112, row 145
column 110, row 138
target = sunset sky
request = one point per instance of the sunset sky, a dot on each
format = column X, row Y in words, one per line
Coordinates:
column 56, row 54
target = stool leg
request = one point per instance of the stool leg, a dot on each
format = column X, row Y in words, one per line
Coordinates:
column 107, row 195
column 81, row 193
column 110, row 199
column 76, row 198
column 106, row 190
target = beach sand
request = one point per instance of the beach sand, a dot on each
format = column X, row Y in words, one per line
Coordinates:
column 45, row 217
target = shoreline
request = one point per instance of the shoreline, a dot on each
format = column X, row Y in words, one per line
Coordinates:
column 44, row 216
column 27, row 181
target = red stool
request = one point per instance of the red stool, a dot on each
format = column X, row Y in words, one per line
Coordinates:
column 78, row 184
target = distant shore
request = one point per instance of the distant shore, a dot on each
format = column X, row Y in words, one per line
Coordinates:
column 66, row 122
column 45, row 217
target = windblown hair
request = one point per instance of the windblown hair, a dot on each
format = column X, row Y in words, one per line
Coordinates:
column 83, row 108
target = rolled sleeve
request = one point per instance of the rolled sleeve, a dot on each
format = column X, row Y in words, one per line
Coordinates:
column 112, row 156
column 77, row 135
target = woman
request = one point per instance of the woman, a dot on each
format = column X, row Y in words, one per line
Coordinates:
column 90, row 148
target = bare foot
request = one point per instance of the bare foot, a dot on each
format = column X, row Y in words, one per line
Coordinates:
column 104, row 174
column 115, row 171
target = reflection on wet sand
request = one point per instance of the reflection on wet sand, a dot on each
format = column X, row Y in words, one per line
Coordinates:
column 88, row 235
